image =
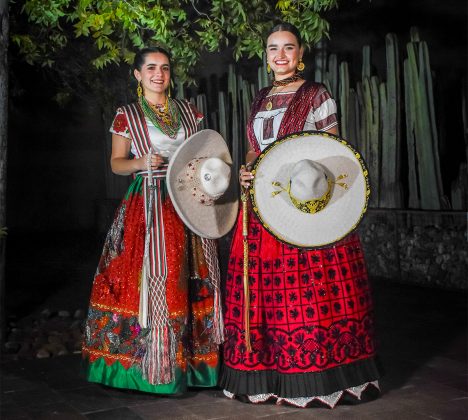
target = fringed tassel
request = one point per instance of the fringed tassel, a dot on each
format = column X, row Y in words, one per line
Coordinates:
column 158, row 364
column 211, row 257
column 218, row 323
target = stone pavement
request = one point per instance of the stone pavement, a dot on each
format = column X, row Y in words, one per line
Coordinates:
column 422, row 341
column 423, row 347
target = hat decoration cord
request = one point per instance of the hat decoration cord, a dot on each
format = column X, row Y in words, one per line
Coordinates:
column 245, row 232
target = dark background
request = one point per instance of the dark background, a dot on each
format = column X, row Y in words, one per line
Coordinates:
column 57, row 158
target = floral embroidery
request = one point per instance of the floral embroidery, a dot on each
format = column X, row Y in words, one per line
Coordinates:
column 307, row 347
column 120, row 125
column 120, row 336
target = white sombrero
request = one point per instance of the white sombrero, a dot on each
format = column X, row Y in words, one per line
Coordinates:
column 310, row 189
column 200, row 184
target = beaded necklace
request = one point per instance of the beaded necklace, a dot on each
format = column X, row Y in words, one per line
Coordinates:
column 277, row 83
column 288, row 80
column 166, row 119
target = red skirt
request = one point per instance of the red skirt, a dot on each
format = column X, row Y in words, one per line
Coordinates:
column 114, row 342
column 311, row 321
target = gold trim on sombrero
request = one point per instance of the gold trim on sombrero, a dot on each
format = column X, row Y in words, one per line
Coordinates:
column 306, row 206
column 362, row 168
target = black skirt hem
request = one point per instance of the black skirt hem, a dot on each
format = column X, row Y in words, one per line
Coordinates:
column 295, row 385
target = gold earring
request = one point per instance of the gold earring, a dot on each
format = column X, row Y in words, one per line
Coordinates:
column 301, row 65
column 139, row 90
column 169, row 90
column 268, row 68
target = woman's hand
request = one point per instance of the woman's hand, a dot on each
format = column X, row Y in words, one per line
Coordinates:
column 153, row 159
column 121, row 164
column 245, row 177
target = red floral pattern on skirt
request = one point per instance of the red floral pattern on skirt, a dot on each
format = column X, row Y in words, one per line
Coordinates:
column 112, row 328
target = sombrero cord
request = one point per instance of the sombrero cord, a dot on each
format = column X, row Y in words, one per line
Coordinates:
column 245, row 232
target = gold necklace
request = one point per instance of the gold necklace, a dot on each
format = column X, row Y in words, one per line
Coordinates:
column 167, row 120
column 269, row 104
column 162, row 112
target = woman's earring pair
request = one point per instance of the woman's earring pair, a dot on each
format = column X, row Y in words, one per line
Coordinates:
column 140, row 90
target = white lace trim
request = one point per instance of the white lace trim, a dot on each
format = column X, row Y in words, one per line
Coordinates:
column 229, row 394
column 259, row 398
column 330, row 400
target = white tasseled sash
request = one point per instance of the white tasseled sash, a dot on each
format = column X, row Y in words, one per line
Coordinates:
column 159, row 360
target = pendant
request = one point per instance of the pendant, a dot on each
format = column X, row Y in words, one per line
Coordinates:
column 269, row 105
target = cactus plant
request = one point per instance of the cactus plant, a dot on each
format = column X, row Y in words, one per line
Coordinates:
column 390, row 102
column 264, row 78
column 353, row 118
column 222, row 116
column 372, row 110
column 459, row 190
column 410, row 112
column 366, row 62
column 421, row 128
column 332, row 75
column 320, row 60
column 235, row 140
column 426, row 86
column 361, row 124
column 344, row 101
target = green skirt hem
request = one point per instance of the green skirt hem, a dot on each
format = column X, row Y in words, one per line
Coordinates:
column 117, row 376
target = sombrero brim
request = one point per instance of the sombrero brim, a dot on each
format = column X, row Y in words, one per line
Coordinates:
column 206, row 221
column 276, row 211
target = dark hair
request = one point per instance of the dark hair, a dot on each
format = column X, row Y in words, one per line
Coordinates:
column 141, row 55
column 288, row 27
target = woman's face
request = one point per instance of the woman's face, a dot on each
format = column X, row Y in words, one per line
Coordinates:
column 283, row 53
column 155, row 74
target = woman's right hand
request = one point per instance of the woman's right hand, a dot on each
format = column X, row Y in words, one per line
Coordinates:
column 245, row 177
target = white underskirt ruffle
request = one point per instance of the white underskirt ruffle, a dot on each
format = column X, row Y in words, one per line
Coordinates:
column 330, row 400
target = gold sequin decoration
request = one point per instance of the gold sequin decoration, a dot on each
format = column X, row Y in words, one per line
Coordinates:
column 121, row 310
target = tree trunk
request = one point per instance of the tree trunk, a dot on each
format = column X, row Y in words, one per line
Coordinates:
column 4, row 28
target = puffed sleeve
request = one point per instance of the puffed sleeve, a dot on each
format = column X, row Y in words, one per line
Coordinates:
column 323, row 112
column 120, row 124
